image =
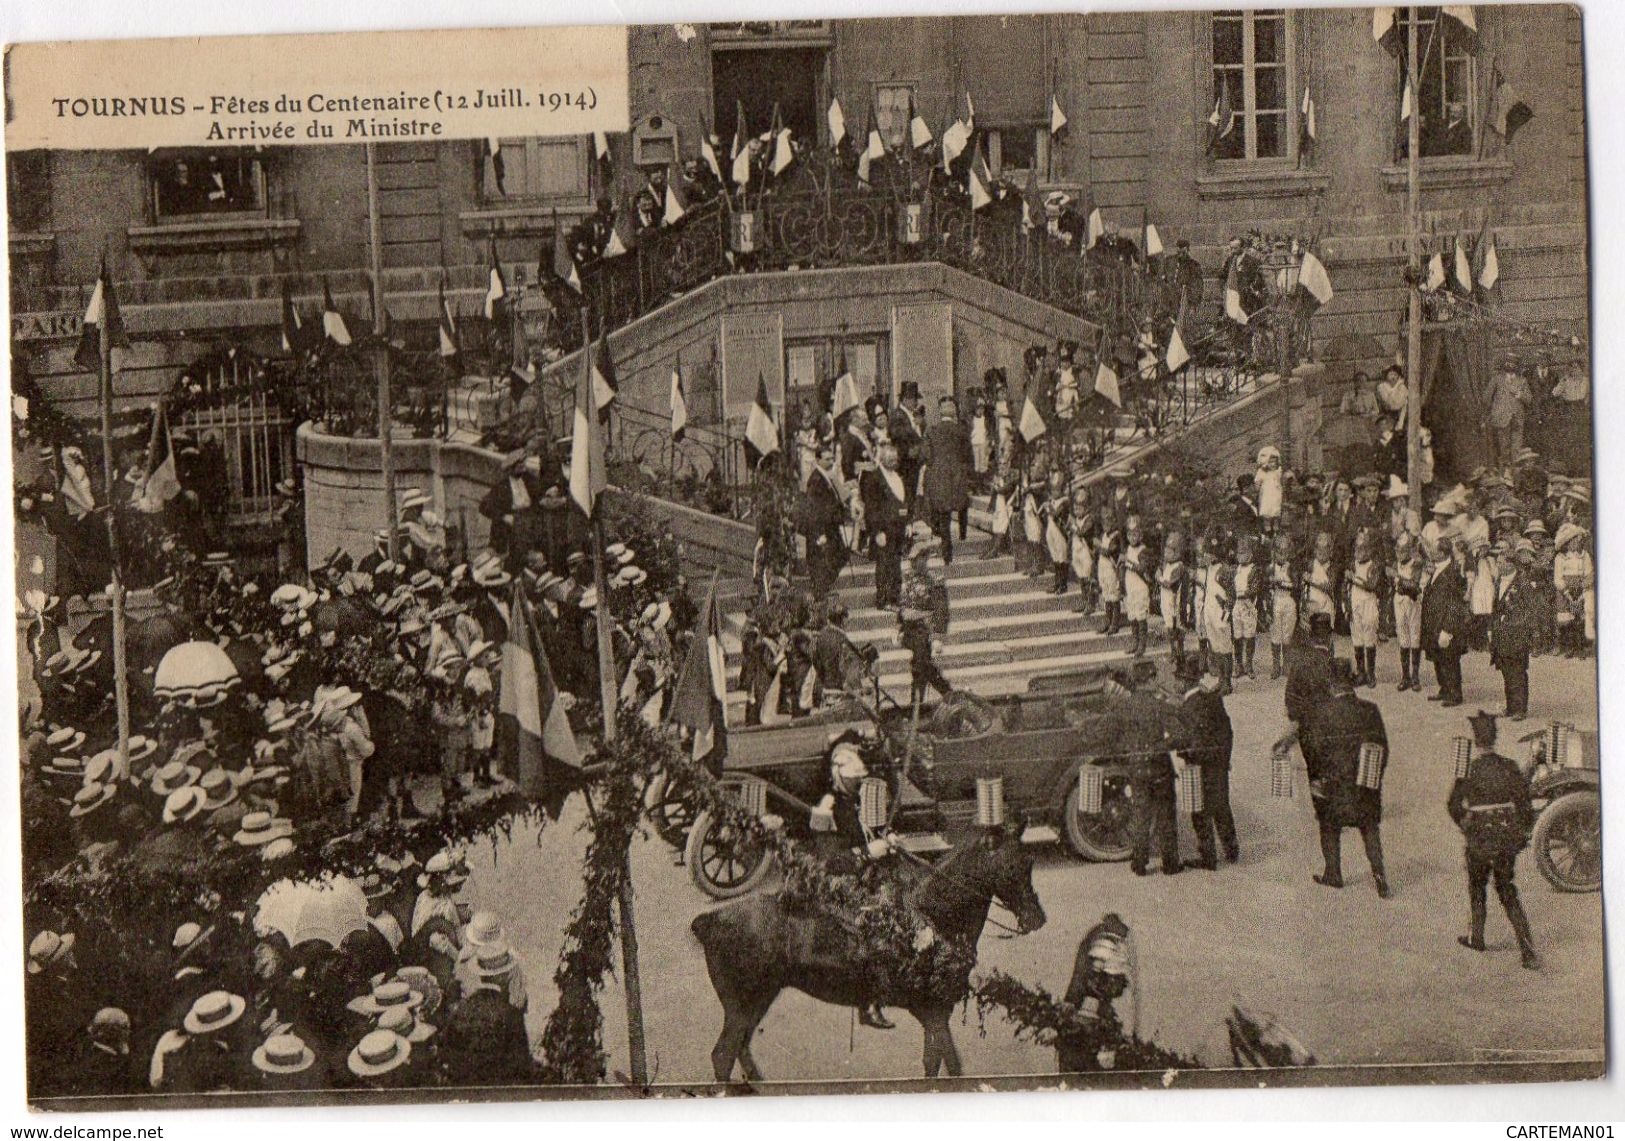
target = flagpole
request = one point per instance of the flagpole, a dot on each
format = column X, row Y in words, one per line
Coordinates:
column 608, row 697
column 121, row 680
column 385, row 431
column 1413, row 340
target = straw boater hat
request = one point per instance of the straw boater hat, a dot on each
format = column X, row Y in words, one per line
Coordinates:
column 259, row 828
column 494, row 961
column 66, row 739
column 588, row 599
column 284, row 1054
column 66, row 767
column 631, row 576
column 277, row 849
column 1536, row 527
column 1567, row 533
column 47, row 948
column 214, row 1012
column 415, row 497
column 92, row 796
column 403, row 1021
column 1397, row 488
column 183, row 804
column 379, row 1053
column 291, row 596
column 141, row 747
column 218, row 789
column 172, row 776
column 625, row 557
column 386, row 995
column 484, row 930
column 446, row 866
column 657, row 614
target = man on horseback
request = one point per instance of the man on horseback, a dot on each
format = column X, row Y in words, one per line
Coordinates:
column 848, row 770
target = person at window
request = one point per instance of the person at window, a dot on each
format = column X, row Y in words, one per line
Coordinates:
column 1453, row 136
column 1393, row 393
column 182, row 193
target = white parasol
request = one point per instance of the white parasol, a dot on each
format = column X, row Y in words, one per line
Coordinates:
column 327, row 909
column 197, row 673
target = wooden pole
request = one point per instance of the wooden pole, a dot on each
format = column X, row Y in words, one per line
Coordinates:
column 385, row 429
column 121, row 678
column 1413, row 228
column 608, row 696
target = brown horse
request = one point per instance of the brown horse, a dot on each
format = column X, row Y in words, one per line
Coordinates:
column 756, row 947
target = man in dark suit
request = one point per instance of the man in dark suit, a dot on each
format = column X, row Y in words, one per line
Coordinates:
column 821, row 517
column 1145, row 730
column 1341, row 727
column 946, row 473
column 1491, row 807
column 906, row 435
column 1211, row 737
column 484, row 1041
column 1444, row 625
column 885, row 510
column 1515, row 625
column 514, row 508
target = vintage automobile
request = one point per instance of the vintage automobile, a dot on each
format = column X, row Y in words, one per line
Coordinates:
column 1040, row 742
column 1566, row 785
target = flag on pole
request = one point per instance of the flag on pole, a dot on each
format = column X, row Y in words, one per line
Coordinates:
column 1489, row 262
column 293, row 328
column 846, row 396
column 1507, row 111
column 587, row 471
column 741, row 148
column 1313, row 278
column 954, row 141
column 836, row 118
column 1032, row 420
column 564, row 265
column 605, row 385
column 1435, row 272
column 1106, row 383
column 1405, row 103
column 1222, row 121
column 161, row 482
column 620, row 237
column 103, row 309
column 970, row 112
column 980, row 180
column 1153, row 241
column 496, row 288
column 699, row 703
column 708, row 151
column 493, row 151
column 679, row 403
column 1385, row 28
column 529, row 710
column 783, row 153
column 333, row 326
column 674, row 208
column 919, row 133
column 1095, row 226
column 1057, row 117
column 874, row 147
column 1463, row 268
column 761, row 429
column 1178, row 355
column 449, row 347
column 1308, row 128
column 1232, row 297
column 600, row 154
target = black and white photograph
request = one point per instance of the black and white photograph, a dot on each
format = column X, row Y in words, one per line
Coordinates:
column 928, row 553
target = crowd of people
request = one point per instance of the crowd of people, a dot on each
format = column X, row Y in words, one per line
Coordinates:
column 273, row 717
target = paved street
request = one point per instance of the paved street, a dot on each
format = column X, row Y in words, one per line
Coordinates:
column 1361, row 980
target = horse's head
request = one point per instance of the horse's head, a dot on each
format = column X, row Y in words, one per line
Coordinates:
column 1010, row 872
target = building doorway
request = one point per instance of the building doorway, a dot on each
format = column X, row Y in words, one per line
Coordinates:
column 756, row 79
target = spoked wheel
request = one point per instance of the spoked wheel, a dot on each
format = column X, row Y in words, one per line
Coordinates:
column 723, row 860
column 1568, row 842
column 670, row 810
column 1105, row 836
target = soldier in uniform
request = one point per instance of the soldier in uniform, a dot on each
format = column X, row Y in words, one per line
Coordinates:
column 922, row 616
column 1144, row 729
column 1491, row 807
column 1211, row 736
column 1339, row 726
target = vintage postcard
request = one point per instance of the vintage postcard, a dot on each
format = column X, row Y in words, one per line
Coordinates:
column 1026, row 551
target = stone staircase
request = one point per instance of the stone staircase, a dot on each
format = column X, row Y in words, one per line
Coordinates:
column 1005, row 627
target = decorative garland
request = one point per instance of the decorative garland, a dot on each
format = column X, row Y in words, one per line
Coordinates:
column 1040, row 1017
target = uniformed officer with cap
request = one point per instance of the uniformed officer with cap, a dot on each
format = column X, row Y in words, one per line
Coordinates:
column 1491, row 807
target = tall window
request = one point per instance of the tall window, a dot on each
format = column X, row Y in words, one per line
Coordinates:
column 1013, row 151
column 194, row 183
column 538, row 168
column 1252, row 83
column 1445, row 84
column 893, row 102
column 28, row 190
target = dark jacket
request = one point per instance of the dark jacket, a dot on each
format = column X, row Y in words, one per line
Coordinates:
column 1516, row 620
column 484, row 1041
column 1207, row 727
column 1308, row 680
column 905, row 435
column 1491, row 806
column 948, row 463
column 883, row 512
column 1444, row 610
column 821, row 510
column 1338, row 727
column 514, row 531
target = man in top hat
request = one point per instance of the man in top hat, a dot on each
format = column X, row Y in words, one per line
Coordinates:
column 1444, row 621
column 1491, row 807
column 1339, row 727
column 885, row 508
column 1515, row 625
column 945, row 475
column 1186, row 274
column 1209, row 737
column 907, row 433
